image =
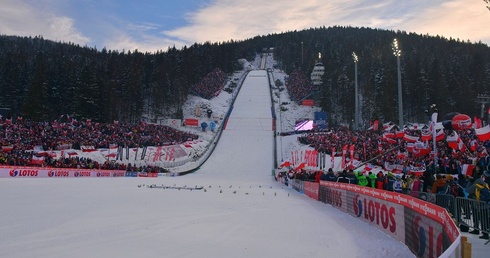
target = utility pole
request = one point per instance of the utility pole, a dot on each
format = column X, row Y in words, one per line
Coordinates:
column 483, row 99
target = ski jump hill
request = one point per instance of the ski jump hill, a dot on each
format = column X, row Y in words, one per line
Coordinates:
column 230, row 207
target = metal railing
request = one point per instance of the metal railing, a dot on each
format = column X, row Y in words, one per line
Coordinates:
column 468, row 213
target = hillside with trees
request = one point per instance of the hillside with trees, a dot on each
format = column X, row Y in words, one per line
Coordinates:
column 42, row 79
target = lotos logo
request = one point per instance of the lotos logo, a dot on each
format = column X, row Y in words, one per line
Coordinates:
column 23, row 173
column 82, row 174
column 357, row 206
column 103, row 174
column 420, row 237
column 375, row 212
column 58, row 173
column 334, row 197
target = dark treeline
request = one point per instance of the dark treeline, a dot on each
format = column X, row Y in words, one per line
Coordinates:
column 434, row 70
column 41, row 79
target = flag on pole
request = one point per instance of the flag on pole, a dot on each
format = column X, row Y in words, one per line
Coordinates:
column 483, row 133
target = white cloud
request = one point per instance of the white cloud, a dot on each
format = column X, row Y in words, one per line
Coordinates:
column 18, row 18
column 225, row 19
column 463, row 19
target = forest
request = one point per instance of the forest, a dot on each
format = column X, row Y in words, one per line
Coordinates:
column 42, row 79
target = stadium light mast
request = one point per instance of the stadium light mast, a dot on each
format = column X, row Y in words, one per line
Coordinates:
column 397, row 52
column 356, row 111
column 301, row 52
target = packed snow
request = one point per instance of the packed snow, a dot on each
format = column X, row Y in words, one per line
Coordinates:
column 240, row 211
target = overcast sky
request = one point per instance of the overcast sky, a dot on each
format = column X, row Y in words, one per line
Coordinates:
column 150, row 25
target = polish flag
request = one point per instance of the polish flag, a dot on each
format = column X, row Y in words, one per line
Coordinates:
column 285, row 164
column 409, row 138
column 477, row 122
column 389, row 135
column 7, row 148
column 455, row 142
column 399, row 134
column 440, row 135
column 426, row 135
column 483, row 133
column 37, row 160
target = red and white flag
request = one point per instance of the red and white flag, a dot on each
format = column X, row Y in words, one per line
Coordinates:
column 455, row 142
column 426, row 135
column 351, row 150
column 440, row 135
column 399, row 134
column 477, row 122
column 37, row 160
column 344, row 153
column 483, row 133
column 7, row 148
column 409, row 138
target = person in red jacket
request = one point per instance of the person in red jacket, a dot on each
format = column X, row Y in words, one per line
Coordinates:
column 380, row 181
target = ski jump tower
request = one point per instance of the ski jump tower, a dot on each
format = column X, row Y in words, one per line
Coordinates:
column 318, row 71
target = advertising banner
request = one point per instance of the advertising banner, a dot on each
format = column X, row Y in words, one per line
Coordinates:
column 427, row 229
column 38, row 172
column 321, row 120
column 311, row 190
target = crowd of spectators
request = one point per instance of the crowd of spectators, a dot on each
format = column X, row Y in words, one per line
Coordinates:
column 211, row 85
column 372, row 146
column 298, row 85
column 18, row 140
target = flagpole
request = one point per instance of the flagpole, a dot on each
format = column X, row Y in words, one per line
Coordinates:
column 434, row 146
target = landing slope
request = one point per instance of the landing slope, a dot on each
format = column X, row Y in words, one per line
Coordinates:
column 245, row 149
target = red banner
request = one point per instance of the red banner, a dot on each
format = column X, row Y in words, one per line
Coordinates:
column 191, row 122
column 308, row 102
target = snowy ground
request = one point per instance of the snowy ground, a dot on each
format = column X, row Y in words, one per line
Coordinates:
column 240, row 212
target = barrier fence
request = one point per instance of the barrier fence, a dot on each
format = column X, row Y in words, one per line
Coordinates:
column 427, row 229
column 468, row 213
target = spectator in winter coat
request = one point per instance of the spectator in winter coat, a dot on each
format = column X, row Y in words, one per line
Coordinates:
column 380, row 181
column 471, row 189
column 361, row 179
column 428, row 178
column 372, row 179
column 398, row 184
column 342, row 178
column 390, row 181
column 318, row 175
column 438, row 184
column 417, row 186
column 330, row 176
column 462, row 181
column 352, row 177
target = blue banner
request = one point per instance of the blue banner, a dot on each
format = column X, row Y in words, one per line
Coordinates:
column 131, row 174
column 321, row 120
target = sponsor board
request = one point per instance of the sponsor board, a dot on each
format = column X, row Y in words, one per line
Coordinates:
column 145, row 174
column 427, row 229
column 381, row 214
column 311, row 189
column 34, row 172
column 424, row 236
column 131, row 173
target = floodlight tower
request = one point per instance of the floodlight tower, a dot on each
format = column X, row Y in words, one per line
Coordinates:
column 397, row 52
column 356, row 111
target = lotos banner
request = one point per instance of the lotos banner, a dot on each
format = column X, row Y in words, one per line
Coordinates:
column 35, row 172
